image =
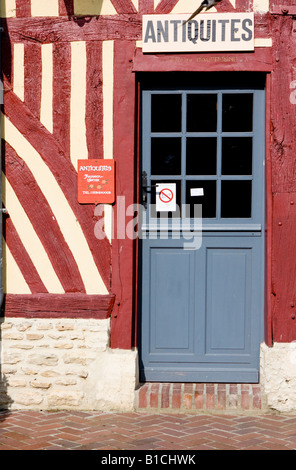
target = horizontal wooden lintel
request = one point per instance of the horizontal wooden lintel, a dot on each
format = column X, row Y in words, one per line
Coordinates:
column 284, row 10
column 57, row 305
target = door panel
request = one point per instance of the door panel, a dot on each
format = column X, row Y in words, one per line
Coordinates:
column 202, row 309
column 228, row 295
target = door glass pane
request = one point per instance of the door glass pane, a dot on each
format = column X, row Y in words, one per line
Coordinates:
column 208, row 200
column 237, row 155
column 202, row 113
column 237, row 112
column 201, row 158
column 165, row 156
column 236, row 199
column 166, row 113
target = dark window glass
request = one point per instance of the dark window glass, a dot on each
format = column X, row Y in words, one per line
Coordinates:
column 237, row 112
column 201, row 156
column 166, row 113
column 236, row 199
column 208, row 200
column 171, row 214
column 202, row 113
column 165, row 156
column 237, row 155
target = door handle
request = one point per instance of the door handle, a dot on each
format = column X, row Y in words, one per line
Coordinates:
column 145, row 188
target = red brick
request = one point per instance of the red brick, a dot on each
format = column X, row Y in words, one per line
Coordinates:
column 187, row 396
column 198, row 396
column 165, row 396
column 245, row 397
column 257, row 404
column 176, row 396
column 143, row 396
column 210, row 396
column 154, row 395
column 221, row 396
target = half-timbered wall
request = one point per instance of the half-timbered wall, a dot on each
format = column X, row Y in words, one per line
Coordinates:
column 69, row 71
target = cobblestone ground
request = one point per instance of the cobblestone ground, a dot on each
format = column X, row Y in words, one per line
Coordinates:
column 67, row 430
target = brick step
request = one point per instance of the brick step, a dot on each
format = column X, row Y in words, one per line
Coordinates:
column 199, row 396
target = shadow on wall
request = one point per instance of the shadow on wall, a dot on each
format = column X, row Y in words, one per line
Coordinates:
column 5, row 399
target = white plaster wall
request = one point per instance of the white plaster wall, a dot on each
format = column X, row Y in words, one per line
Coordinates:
column 278, row 375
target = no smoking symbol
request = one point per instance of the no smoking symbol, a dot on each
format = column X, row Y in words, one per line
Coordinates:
column 166, row 195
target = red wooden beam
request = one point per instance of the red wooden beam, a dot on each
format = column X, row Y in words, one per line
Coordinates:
column 124, row 152
column 165, row 6
column 62, row 95
column 258, row 61
column 33, row 77
column 64, row 172
column 94, row 99
column 58, row 306
column 283, row 10
column 23, row 8
column 22, row 258
column 124, row 6
column 268, row 218
column 43, row 221
column 63, row 29
column 66, row 7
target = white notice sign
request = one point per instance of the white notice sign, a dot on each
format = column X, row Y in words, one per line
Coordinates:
column 205, row 33
column 196, row 192
column 166, row 197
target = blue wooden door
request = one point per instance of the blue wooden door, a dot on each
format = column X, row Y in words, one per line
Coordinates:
column 201, row 294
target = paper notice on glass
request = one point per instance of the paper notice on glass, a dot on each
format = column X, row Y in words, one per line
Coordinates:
column 166, row 197
column 196, row 192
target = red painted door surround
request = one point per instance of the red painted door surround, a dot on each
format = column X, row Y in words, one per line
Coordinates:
column 127, row 84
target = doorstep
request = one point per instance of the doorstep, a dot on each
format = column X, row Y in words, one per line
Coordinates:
column 189, row 397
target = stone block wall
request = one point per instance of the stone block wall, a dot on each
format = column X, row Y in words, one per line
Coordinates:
column 63, row 364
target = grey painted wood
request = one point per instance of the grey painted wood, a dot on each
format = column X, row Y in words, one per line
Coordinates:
column 201, row 310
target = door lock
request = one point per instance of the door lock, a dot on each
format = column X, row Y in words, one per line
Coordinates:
column 145, row 188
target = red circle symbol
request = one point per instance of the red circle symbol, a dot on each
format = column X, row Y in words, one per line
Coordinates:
column 166, row 195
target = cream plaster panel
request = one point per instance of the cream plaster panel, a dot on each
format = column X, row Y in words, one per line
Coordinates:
column 108, row 70
column 47, row 87
column 78, row 146
column 108, row 73
column 94, row 7
column 13, row 280
column 186, row 6
column 18, row 70
column 136, row 4
column 30, row 241
column 65, row 217
column 45, row 7
column 263, row 42
column 261, row 5
column 7, row 8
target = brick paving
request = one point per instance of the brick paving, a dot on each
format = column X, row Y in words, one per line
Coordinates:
column 79, row 430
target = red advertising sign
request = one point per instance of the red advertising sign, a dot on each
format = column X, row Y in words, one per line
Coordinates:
column 96, row 181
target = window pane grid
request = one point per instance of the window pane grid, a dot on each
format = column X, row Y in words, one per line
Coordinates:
column 215, row 159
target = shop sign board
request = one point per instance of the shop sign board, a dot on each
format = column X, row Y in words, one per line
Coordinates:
column 204, row 33
column 96, row 181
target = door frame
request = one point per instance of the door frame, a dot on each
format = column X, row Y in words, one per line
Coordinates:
column 267, row 207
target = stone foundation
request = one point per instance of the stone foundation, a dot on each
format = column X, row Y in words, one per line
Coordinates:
column 64, row 364
column 278, row 375
column 51, row 364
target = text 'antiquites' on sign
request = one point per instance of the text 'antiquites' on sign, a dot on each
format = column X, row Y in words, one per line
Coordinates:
column 205, row 33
